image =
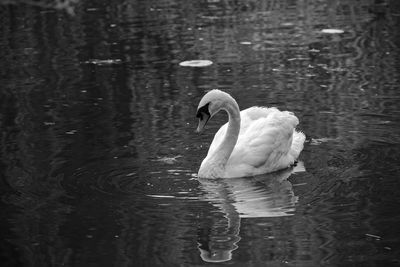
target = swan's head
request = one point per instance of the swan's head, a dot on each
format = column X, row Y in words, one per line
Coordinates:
column 209, row 105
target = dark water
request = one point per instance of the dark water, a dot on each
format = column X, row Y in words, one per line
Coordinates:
column 99, row 157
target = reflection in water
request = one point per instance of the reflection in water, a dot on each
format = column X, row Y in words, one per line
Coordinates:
column 264, row 196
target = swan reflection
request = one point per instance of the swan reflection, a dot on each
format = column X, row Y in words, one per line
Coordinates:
column 269, row 195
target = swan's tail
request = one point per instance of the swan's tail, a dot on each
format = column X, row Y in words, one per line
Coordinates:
column 297, row 144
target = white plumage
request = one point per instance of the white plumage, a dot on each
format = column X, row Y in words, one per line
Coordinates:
column 265, row 142
column 256, row 140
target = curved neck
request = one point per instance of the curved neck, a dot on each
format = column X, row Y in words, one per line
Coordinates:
column 224, row 150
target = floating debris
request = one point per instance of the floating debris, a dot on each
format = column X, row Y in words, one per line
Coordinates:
column 373, row 236
column 196, row 63
column 332, row 31
column 71, row 132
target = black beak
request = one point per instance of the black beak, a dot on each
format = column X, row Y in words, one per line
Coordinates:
column 202, row 123
column 204, row 115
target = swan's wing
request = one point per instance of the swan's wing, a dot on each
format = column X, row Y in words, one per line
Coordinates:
column 248, row 116
column 251, row 115
column 254, row 113
column 265, row 139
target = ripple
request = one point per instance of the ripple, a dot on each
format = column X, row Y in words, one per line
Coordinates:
column 109, row 177
column 102, row 62
column 173, row 197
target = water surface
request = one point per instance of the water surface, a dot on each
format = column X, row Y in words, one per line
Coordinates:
column 99, row 157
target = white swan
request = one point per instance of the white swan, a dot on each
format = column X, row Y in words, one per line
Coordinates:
column 256, row 140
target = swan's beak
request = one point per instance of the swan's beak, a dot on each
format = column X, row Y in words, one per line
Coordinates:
column 202, row 123
column 204, row 115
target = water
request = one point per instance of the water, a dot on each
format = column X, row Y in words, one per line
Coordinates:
column 99, row 157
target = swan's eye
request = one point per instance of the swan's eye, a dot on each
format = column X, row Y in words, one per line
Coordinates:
column 203, row 109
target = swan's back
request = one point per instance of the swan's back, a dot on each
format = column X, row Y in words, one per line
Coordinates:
column 267, row 141
column 248, row 118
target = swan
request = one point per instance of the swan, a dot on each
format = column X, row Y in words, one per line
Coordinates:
column 256, row 140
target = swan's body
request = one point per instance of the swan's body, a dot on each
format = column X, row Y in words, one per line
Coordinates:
column 256, row 140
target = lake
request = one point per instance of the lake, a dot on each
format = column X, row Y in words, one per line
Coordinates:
column 99, row 155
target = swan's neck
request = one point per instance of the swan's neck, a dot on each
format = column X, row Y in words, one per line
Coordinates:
column 224, row 150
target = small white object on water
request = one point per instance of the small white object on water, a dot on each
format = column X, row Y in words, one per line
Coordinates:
column 196, row 63
column 161, row 196
column 373, row 236
column 332, row 31
column 71, row 132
